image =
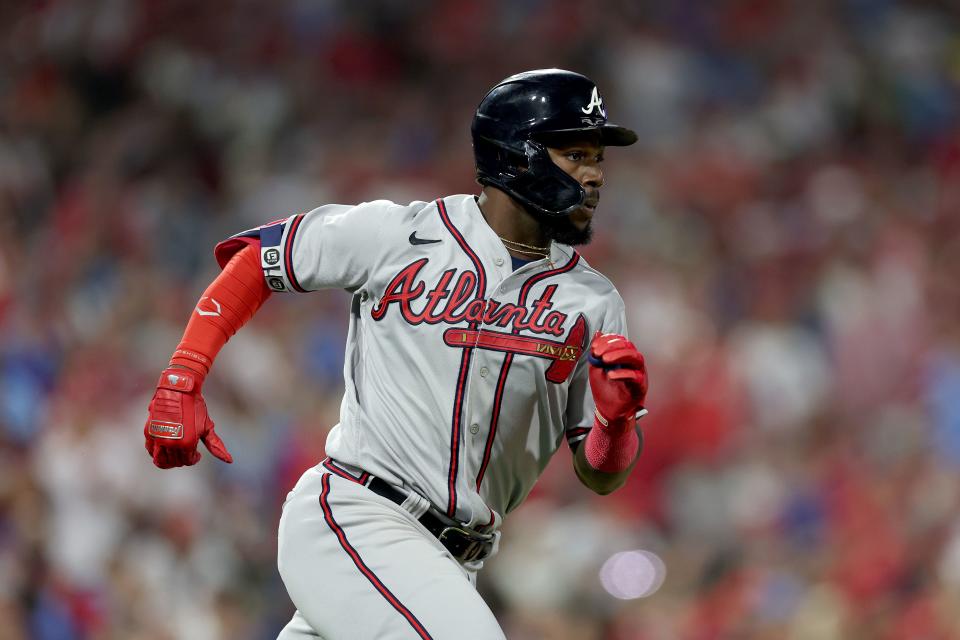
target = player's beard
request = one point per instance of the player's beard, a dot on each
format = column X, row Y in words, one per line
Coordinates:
column 562, row 230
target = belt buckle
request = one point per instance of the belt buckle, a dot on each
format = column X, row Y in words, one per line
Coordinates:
column 447, row 531
column 475, row 546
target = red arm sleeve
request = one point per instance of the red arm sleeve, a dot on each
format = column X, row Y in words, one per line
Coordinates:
column 227, row 304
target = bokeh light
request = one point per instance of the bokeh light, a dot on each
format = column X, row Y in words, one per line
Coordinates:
column 628, row 575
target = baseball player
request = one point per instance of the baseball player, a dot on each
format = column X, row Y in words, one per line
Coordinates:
column 479, row 341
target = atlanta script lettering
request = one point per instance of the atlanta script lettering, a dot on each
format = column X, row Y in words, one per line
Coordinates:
column 457, row 302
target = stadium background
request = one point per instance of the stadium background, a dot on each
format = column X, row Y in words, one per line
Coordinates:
column 786, row 236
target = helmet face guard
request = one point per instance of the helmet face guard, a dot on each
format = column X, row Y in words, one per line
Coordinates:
column 520, row 110
column 534, row 180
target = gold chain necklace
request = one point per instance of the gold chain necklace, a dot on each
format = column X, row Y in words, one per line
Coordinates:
column 527, row 249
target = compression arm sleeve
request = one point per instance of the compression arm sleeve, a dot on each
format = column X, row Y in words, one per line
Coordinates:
column 612, row 450
column 227, row 304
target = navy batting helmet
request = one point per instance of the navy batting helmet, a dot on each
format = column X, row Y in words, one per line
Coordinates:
column 513, row 120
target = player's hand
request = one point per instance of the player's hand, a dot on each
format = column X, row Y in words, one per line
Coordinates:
column 178, row 419
column 618, row 379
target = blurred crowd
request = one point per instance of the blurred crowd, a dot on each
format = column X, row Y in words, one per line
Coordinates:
column 786, row 236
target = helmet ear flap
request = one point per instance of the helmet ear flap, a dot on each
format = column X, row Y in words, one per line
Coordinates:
column 511, row 163
column 496, row 162
column 544, row 182
column 531, row 177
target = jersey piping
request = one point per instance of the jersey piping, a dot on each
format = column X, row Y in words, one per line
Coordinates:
column 508, row 360
column 288, row 253
column 457, row 414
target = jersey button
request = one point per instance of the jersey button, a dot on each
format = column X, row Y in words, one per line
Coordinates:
column 498, row 262
column 483, row 372
column 474, row 428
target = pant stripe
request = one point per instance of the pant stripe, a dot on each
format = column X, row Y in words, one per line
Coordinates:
column 333, row 467
column 361, row 565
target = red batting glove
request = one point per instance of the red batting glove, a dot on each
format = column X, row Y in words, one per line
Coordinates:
column 618, row 379
column 178, row 419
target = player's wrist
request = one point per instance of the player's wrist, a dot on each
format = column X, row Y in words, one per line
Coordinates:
column 179, row 377
column 616, row 424
column 611, row 451
column 192, row 360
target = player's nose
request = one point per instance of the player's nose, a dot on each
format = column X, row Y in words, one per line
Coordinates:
column 592, row 177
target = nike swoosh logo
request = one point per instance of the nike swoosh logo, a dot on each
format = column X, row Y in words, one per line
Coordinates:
column 415, row 240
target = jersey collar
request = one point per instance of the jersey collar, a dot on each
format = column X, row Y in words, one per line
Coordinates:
column 490, row 243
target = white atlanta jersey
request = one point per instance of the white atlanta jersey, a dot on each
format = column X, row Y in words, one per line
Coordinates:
column 462, row 376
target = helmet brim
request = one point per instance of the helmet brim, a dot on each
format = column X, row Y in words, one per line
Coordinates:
column 611, row 135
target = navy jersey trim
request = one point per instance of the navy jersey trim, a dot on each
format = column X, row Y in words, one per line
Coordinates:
column 271, row 234
column 456, row 422
column 508, row 360
column 575, row 436
column 362, row 566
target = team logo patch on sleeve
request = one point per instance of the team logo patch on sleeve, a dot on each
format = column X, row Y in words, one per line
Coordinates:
column 168, row 430
column 271, row 256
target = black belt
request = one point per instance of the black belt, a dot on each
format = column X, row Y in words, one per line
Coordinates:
column 462, row 544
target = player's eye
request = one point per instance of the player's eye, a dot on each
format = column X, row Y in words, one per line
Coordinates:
column 575, row 156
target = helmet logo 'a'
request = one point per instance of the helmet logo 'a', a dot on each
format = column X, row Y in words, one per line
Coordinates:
column 595, row 101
